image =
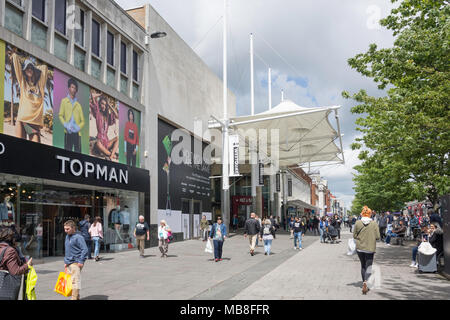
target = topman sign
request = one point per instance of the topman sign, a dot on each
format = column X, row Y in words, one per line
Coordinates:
column 88, row 169
column 2, row 148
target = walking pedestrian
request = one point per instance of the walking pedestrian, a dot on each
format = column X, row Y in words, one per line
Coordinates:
column 336, row 223
column 96, row 233
column 298, row 228
column 291, row 227
column 75, row 256
column 235, row 222
column 352, row 223
column 275, row 225
column 163, row 235
column 140, row 231
column 366, row 233
column 382, row 224
column 389, row 221
column 252, row 229
column 218, row 234
column 266, row 234
column 84, row 226
column 322, row 227
column 10, row 258
column 204, row 226
column 260, row 226
column 316, row 225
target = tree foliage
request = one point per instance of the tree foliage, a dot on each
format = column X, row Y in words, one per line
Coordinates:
column 406, row 133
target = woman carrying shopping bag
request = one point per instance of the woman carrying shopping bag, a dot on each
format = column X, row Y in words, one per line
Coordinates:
column 12, row 266
column 366, row 233
column 218, row 234
column 267, row 232
column 96, row 232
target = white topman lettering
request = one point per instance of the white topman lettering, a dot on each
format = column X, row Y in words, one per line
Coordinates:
column 88, row 169
column 2, row 148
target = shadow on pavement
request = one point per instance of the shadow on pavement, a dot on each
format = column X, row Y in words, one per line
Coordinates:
column 95, row 297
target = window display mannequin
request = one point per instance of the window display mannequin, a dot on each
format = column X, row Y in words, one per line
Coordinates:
column 125, row 216
column 7, row 209
column 116, row 220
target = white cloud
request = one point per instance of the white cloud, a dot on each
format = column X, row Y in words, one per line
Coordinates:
column 316, row 38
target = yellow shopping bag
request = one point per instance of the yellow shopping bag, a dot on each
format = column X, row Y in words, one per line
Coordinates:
column 64, row 284
column 31, row 283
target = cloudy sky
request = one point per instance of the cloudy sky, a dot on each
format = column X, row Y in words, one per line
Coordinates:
column 306, row 43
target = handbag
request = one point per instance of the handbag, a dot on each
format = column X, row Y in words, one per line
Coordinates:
column 9, row 284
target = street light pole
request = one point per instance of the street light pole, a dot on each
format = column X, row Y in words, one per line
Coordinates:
column 225, row 203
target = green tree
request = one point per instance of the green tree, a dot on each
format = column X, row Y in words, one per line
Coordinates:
column 408, row 129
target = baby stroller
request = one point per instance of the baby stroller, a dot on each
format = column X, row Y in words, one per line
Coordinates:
column 330, row 233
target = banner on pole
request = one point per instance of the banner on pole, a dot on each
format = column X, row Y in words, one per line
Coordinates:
column 261, row 174
column 277, row 182
column 234, row 155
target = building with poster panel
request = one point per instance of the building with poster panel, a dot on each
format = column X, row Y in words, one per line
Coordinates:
column 86, row 104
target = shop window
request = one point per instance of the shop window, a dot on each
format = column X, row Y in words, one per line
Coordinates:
column 96, row 38
column 79, row 28
column 124, row 85
column 111, row 77
column 61, row 48
column 96, row 68
column 135, row 65
column 110, row 48
column 38, row 9
column 123, row 58
column 60, row 16
column 17, row 2
column 39, row 34
column 13, row 19
column 79, row 59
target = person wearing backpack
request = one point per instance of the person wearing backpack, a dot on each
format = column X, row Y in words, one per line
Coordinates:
column 267, row 232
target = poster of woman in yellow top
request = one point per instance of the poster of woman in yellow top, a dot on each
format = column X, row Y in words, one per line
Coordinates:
column 28, row 111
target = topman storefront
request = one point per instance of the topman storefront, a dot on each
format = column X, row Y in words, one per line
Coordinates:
column 41, row 187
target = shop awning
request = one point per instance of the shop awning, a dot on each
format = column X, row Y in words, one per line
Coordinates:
column 305, row 134
column 302, row 204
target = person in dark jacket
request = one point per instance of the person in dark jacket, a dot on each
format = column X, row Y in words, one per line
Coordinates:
column 434, row 217
column 382, row 224
column 84, row 226
column 336, row 223
column 436, row 238
column 399, row 231
column 218, row 234
column 252, row 229
column 76, row 254
column 12, row 261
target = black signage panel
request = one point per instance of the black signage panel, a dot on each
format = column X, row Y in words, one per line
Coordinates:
column 184, row 180
column 289, row 187
column 261, row 174
column 26, row 158
column 278, row 183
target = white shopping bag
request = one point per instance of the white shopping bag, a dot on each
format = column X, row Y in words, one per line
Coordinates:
column 351, row 247
column 209, row 248
column 374, row 281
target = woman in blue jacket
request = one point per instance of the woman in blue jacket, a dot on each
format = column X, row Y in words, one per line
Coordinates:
column 218, row 234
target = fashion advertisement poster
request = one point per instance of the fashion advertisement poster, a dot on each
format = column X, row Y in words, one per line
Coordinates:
column 180, row 181
column 28, row 96
column 103, row 126
column 2, row 83
column 71, row 114
column 130, row 126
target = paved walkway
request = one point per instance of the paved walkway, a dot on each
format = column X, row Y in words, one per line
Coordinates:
column 188, row 272
column 324, row 271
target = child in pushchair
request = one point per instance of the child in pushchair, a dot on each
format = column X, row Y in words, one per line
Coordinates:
column 330, row 234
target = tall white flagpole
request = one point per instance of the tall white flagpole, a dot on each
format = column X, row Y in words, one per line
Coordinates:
column 225, row 168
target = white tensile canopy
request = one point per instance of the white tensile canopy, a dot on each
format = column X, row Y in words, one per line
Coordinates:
column 305, row 134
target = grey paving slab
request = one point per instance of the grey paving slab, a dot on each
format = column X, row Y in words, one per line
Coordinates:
column 325, row 272
column 187, row 274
